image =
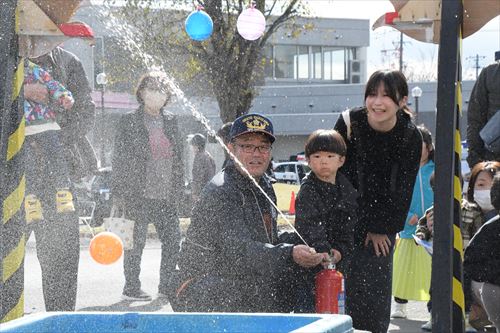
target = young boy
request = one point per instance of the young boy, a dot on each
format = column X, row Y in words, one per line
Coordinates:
column 325, row 209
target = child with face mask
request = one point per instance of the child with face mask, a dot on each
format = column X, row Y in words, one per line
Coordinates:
column 477, row 207
column 482, row 264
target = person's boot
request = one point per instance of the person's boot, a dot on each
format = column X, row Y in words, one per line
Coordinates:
column 427, row 326
column 399, row 311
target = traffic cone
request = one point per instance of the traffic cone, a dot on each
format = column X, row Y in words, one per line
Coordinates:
column 291, row 210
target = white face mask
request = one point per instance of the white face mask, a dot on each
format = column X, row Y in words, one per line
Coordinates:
column 154, row 99
column 483, row 199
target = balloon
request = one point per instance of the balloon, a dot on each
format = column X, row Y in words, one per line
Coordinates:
column 106, row 248
column 251, row 24
column 199, row 25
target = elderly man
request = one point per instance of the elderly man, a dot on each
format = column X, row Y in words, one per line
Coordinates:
column 232, row 259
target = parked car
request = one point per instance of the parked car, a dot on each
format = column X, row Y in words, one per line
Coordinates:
column 290, row 172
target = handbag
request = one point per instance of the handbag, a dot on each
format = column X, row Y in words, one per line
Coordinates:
column 121, row 226
column 491, row 133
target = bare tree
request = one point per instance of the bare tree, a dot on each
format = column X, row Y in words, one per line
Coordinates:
column 226, row 61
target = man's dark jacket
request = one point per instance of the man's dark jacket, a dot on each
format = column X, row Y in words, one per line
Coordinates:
column 483, row 104
column 234, row 264
column 75, row 123
column 132, row 151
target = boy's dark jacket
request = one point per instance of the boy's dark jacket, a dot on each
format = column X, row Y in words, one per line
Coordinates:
column 326, row 214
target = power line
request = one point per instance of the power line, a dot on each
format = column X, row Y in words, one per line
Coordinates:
column 476, row 65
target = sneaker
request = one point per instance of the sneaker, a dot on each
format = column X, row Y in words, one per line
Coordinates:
column 468, row 327
column 139, row 295
column 399, row 311
column 161, row 295
column 427, row 326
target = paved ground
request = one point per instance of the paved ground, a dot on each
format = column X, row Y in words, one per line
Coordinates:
column 100, row 287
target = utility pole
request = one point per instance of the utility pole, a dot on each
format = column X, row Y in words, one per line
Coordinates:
column 476, row 65
column 396, row 51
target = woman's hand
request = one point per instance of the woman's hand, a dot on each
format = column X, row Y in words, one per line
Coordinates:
column 413, row 220
column 381, row 243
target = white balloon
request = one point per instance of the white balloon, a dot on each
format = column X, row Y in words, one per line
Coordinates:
column 251, row 24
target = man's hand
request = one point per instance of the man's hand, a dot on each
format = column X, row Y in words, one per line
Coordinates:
column 36, row 92
column 381, row 243
column 306, row 256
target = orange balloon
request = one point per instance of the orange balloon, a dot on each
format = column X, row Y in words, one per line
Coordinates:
column 106, row 248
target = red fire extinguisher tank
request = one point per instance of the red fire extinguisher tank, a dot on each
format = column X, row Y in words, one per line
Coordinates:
column 330, row 291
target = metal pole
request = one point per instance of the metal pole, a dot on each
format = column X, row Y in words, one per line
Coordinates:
column 401, row 53
column 12, row 179
column 447, row 290
column 416, row 109
column 101, row 138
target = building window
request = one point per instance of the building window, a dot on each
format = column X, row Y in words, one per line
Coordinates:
column 285, row 61
column 334, row 63
column 301, row 62
column 316, row 62
column 268, row 61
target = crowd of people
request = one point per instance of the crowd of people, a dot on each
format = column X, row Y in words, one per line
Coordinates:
column 369, row 193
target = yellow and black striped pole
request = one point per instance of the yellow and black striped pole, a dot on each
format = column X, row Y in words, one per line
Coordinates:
column 12, row 180
column 447, row 275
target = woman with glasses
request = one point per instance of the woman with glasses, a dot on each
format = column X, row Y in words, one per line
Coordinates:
column 147, row 180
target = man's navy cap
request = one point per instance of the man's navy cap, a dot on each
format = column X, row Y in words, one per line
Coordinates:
column 252, row 123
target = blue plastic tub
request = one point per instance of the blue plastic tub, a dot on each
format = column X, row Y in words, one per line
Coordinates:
column 134, row 322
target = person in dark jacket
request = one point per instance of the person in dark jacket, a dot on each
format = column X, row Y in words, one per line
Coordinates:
column 484, row 102
column 146, row 180
column 232, row 259
column 325, row 209
column 49, row 203
column 66, row 68
column 482, row 261
column 383, row 157
column 203, row 166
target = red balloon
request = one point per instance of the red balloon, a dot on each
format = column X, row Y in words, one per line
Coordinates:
column 106, row 248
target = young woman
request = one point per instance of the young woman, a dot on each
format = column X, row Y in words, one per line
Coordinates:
column 412, row 264
column 383, row 157
column 147, row 178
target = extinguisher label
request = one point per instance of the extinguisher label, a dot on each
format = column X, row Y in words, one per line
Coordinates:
column 341, row 302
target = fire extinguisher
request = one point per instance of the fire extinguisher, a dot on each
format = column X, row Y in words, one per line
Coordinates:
column 330, row 291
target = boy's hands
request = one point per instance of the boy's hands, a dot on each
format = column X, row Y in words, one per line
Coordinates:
column 381, row 243
column 334, row 258
column 306, row 256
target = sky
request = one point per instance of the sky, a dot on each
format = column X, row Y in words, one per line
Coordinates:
column 483, row 43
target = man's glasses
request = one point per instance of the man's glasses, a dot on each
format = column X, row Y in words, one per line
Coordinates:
column 264, row 149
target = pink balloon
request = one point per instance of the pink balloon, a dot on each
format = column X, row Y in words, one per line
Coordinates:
column 251, row 24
